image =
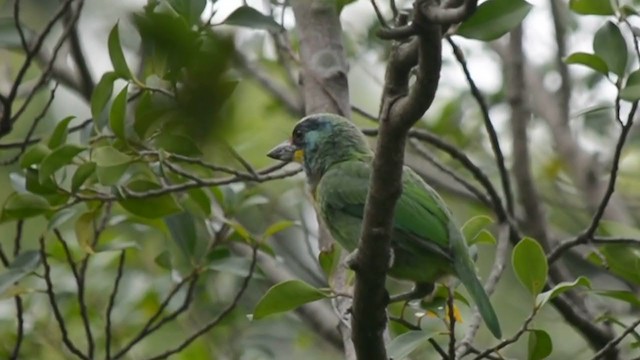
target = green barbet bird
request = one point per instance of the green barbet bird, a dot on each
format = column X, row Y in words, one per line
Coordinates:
column 426, row 244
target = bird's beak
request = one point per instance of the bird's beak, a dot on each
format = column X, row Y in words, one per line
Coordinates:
column 284, row 152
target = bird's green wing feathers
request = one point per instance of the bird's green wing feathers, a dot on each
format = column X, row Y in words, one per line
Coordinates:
column 420, row 213
column 465, row 271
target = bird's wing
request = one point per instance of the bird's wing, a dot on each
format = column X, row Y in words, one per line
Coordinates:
column 419, row 213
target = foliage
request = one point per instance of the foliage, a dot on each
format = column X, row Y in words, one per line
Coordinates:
column 147, row 222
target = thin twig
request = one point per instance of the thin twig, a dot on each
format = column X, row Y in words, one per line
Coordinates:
column 79, row 278
column 15, row 354
column 18, row 24
column 32, row 128
column 452, row 324
column 442, row 167
column 150, row 323
column 491, row 131
column 408, row 325
column 19, row 144
column 511, row 340
column 44, row 77
column 616, row 341
column 110, row 305
column 263, row 177
column 585, row 236
column 463, row 159
column 86, row 80
column 17, row 242
column 240, row 159
column 54, row 305
column 212, row 323
column 381, row 19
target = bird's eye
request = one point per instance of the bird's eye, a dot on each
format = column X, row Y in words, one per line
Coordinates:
column 297, row 137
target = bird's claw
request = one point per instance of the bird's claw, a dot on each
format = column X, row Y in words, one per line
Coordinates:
column 419, row 291
column 351, row 260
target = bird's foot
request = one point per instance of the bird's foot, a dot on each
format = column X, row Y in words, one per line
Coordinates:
column 351, row 260
column 419, row 291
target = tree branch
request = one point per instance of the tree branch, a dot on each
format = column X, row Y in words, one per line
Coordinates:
column 491, row 131
column 318, row 317
column 325, row 88
column 54, row 305
column 401, row 107
column 612, row 344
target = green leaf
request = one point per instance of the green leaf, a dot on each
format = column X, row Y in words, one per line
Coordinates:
column 151, row 207
column 183, row 231
column 34, row 155
column 111, row 164
column 117, row 55
column 111, row 175
column 546, row 296
column 118, row 113
column 102, row 93
column 190, row 10
column 591, row 61
column 34, row 185
column 59, row 135
column 609, row 45
column 617, row 229
column 277, row 227
column 591, row 7
column 81, row 175
column 57, row 159
column 329, row 261
column 27, row 261
column 177, row 144
column 621, row 295
column 402, row 346
column 197, row 203
column 240, row 230
column 235, row 265
column 163, row 260
column 61, row 217
column 22, row 266
column 85, row 231
column 107, row 156
column 631, row 90
column 484, row 237
column 530, row 264
column 494, row 18
column 472, row 228
column 117, row 246
column 540, row 345
column 249, row 17
column 287, row 296
column 24, row 205
column 622, row 260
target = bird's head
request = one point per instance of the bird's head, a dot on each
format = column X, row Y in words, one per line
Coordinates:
column 321, row 140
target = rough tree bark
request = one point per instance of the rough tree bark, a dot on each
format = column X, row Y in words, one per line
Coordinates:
column 325, row 88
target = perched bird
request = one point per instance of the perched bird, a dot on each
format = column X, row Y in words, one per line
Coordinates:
column 427, row 246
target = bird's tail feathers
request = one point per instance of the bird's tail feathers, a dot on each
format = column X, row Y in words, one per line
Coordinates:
column 465, row 271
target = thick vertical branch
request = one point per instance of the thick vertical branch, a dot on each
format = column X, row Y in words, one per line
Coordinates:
column 401, row 108
column 558, row 12
column 324, row 87
column 324, row 65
